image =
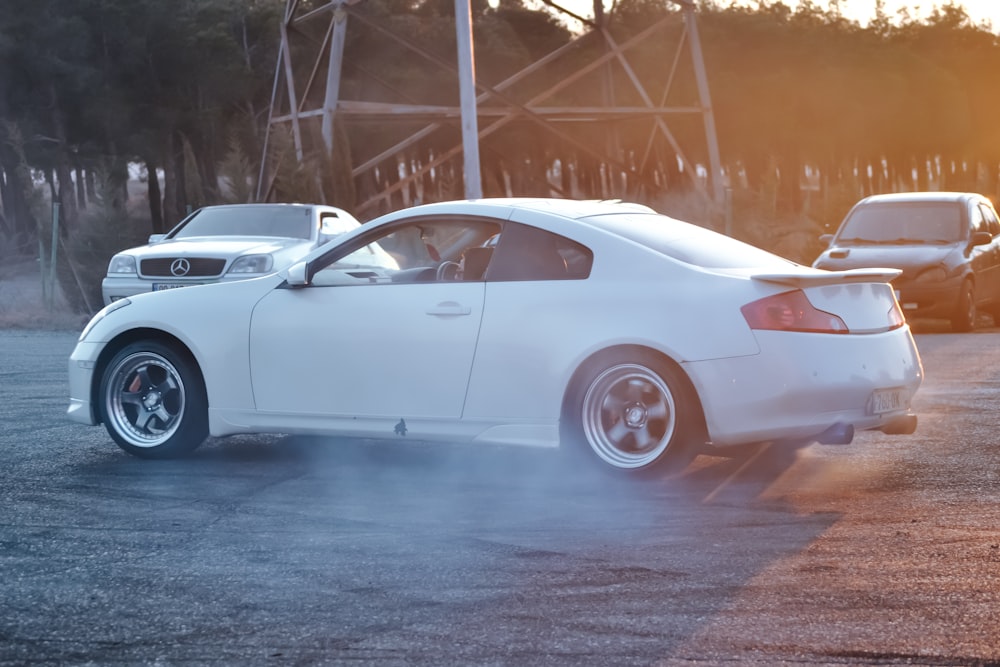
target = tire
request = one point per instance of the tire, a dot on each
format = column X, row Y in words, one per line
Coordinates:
column 152, row 401
column 633, row 415
column 964, row 318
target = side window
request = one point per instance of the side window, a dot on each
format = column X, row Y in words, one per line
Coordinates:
column 528, row 253
column 415, row 251
column 978, row 223
column 990, row 217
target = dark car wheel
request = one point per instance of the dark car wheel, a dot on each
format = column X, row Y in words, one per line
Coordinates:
column 633, row 415
column 964, row 318
column 152, row 401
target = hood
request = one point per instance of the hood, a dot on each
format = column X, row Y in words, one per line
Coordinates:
column 213, row 246
column 893, row 256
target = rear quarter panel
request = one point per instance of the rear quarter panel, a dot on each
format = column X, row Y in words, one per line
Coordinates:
column 535, row 335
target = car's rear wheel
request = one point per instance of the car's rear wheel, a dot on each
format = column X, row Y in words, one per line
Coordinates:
column 634, row 415
column 964, row 318
column 152, row 401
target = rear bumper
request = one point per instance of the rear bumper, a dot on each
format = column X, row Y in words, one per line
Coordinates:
column 801, row 385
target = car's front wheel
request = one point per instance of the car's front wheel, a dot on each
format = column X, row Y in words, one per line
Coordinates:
column 634, row 415
column 153, row 402
column 964, row 318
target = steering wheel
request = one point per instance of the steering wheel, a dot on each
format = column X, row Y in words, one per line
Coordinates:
column 448, row 270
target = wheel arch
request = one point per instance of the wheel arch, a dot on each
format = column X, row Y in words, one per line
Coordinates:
column 636, row 352
column 126, row 338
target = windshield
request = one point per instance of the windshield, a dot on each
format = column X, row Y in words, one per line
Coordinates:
column 250, row 220
column 903, row 222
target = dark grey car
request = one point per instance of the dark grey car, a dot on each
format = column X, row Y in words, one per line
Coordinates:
column 947, row 245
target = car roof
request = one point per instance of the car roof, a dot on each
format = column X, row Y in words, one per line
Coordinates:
column 568, row 208
column 921, row 197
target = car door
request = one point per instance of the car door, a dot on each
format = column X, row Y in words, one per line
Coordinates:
column 380, row 338
column 984, row 259
column 990, row 283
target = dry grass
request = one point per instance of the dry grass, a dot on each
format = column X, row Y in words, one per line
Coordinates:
column 22, row 301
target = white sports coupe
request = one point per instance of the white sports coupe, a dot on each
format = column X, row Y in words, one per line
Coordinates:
column 223, row 243
column 605, row 328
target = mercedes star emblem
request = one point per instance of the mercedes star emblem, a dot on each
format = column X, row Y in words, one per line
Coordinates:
column 180, row 267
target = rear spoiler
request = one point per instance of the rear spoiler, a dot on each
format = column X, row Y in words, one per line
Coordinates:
column 820, row 277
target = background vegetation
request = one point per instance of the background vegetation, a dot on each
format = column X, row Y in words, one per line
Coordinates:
column 813, row 111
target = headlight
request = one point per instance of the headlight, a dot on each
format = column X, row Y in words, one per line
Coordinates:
column 933, row 275
column 101, row 314
column 252, row 264
column 121, row 264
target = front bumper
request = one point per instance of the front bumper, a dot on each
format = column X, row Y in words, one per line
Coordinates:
column 115, row 287
column 932, row 300
column 82, row 365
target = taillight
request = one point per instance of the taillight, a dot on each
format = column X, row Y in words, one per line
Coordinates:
column 896, row 317
column 791, row 311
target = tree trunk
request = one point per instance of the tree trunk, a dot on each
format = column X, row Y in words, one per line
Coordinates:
column 155, row 198
column 66, row 195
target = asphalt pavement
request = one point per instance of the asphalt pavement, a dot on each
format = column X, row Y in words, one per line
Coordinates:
column 284, row 550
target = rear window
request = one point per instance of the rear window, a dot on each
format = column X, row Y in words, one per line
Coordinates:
column 688, row 243
column 280, row 221
column 904, row 222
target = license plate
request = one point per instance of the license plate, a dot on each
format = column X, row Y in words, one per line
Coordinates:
column 886, row 400
column 157, row 287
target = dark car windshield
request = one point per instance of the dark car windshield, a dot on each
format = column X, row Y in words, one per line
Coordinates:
column 903, row 223
column 282, row 221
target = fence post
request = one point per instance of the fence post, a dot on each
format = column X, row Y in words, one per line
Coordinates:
column 52, row 259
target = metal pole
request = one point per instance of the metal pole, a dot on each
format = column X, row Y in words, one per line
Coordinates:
column 714, row 159
column 467, row 90
column 333, row 74
column 50, row 295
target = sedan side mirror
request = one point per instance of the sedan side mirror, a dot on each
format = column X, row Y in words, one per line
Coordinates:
column 826, row 238
column 981, row 238
column 297, row 275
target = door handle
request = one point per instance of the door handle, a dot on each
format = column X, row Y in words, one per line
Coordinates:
column 449, row 309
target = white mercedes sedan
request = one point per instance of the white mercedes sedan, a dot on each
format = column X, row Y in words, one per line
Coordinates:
column 223, row 243
column 627, row 337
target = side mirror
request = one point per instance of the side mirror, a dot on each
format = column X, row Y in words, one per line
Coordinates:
column 156, row 238
column 826, row 238
column 297, row 275
column 981, row 238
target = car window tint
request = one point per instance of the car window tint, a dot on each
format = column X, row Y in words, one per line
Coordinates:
column 528, row 253
column 892, row 222
column 262, row 220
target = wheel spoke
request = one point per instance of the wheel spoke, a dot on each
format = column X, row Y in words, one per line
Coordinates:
column 132, row 398
column 143, row 374
column 636, row 389
column 613, row 405
column 143, row 418
column 168, row 385
column 657, row 410
column 617, row 433
column 643, row 439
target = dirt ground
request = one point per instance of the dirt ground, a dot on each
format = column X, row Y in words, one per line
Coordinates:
column 23, row 303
